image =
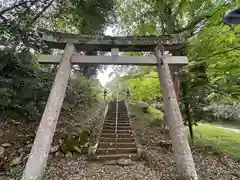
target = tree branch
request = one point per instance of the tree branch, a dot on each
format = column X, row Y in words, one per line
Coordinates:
column 27, row 10
column 12, row 7
column 190, row 25
column 201, row 18
column 218, row 53
column 39, row 14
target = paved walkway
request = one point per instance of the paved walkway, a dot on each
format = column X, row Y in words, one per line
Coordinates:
column 230, row 129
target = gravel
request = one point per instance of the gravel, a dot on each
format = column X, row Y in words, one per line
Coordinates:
column 208, row 165
column 155, row 165
column 80, row 169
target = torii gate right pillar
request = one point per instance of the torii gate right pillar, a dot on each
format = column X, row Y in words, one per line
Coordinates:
column 184, row 160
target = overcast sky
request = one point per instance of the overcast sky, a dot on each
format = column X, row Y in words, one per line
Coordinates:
column 104, row 76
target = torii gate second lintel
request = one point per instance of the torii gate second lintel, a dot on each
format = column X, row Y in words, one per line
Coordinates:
column 37, row 160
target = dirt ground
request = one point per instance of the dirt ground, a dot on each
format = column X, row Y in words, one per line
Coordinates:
column 157, row 163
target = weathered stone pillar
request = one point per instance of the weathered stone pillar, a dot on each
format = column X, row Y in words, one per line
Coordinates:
column 182, row 152
column 34, row 169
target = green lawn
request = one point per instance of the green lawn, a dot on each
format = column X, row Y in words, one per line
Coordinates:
column 222, row 141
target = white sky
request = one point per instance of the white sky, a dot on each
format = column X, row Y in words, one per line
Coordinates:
column 103, row 76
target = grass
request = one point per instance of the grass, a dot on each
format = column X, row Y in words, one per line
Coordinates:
column 223, row 141
column 205, row 134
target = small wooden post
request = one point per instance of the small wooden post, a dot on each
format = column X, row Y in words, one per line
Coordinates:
column 176, row 75
column 34, row 169
column 105, row 94
column 185, row 164
column 114, row 52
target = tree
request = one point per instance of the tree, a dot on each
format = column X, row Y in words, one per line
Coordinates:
column 26, row 84
column 143, row 87
column 165, row 17
column 189, row 17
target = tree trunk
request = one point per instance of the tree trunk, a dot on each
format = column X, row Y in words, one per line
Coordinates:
column 186, row 109
column 37, row 160
column 182, row 151
column 190, row 127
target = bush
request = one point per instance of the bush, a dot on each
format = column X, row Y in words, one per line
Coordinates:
column 156, row 115
column 143, row 105
column 24, row 87
column 80, row 94
column 228, row 112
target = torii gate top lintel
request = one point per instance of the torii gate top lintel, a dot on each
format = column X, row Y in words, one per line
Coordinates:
column 58, row 40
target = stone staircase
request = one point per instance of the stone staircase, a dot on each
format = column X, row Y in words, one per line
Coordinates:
column 116, row 140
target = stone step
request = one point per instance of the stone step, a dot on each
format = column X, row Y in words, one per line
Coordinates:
column 119, row 140
column 113, row 124
column 124, row 112
column 112, row 135
column 119, row 127
column 116, row 156
column 120, row 131
column 113, row 146
column 114, row 118
column 114, row 121
column 119, row 117
column 119, row 114
column 123, row 121
column 116, row 151
column 119, row 145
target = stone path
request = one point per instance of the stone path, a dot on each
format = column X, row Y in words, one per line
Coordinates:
column 230, row 129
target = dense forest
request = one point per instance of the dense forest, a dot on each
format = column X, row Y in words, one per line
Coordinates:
column 25, row 84
column 210, row 83
column 211, row 79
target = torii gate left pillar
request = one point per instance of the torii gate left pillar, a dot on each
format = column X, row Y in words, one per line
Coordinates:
column 37, row 160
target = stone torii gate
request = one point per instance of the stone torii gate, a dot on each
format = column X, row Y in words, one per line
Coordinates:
column 37, row 160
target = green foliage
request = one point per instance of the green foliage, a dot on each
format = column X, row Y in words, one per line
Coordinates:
column 81, row 93
column 143, row 87
column 195, row 91
column 157, row 116
column 88, row 17
column 76, row 142
column 24, row 87
column 212, row 76
column 216, row 47
column 152, row 115
column 163, row 17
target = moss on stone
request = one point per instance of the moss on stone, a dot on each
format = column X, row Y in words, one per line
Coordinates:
column 76, row 142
